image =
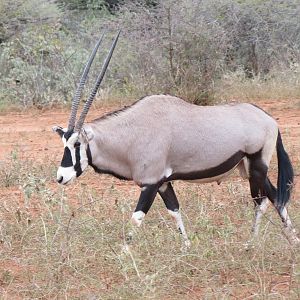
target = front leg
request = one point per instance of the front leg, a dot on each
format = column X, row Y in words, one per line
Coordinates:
column 146, row 199
column 168, row 195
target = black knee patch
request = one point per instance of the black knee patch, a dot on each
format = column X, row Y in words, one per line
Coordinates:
column 146, row 198
column 169, row 198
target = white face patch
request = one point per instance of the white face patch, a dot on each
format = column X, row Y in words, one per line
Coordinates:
column 66, row 173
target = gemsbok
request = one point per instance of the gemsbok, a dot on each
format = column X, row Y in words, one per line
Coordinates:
column 162, row 138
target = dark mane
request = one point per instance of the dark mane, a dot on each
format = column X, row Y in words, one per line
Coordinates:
column 117, row 112
column 261, row 109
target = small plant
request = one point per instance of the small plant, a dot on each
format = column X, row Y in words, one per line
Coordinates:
column 9, row 172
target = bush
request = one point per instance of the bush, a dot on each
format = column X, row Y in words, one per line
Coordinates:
column 187, row 48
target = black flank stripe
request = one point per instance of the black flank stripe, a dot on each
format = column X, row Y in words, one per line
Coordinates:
column 226, row 166
column 102, row 171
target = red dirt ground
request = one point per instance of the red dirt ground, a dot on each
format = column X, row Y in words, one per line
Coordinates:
column 29, row 134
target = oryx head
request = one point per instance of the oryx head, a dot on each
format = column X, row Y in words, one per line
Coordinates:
column 75, row 138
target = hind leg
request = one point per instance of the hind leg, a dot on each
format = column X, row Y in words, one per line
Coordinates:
column 290, row 232
column 286, row 219
column 255, row 171
column 261, row 203
column 261, row 189
column 168, row 195
column 260, row 209
column 257, row 177
column 288, row 227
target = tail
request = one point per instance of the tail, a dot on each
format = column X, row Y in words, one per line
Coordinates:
column 285, row 178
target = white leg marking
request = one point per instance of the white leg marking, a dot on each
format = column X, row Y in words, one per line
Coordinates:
column 286, row 219
column 137, row 217
column 259, row 212
column 179, row 223
column 289, row 229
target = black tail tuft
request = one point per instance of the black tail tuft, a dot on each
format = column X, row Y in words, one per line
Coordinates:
column 285, row 175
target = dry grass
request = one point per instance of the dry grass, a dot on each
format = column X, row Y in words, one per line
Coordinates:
column 279, row 85
column 69, row 243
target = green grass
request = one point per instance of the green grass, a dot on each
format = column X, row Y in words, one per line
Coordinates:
column 58, row 243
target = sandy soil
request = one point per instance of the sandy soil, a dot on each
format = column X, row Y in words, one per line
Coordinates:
column 29, row 135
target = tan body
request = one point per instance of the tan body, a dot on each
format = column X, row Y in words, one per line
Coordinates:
column 162, row 135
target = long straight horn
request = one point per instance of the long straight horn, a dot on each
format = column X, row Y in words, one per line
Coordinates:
column 76, row 98
column 97, row 84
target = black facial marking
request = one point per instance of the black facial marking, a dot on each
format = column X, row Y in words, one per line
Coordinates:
column 226, row 166
column 67, row 158
column 77, row 144
column 60, row 132
column 89, row 155
column 77, row 166
column 68, row 134
column 60, row 179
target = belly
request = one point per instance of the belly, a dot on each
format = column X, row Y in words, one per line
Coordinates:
column 217, row 178
column 215, row 173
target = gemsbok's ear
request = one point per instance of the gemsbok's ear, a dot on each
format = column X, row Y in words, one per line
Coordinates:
column 59, row 130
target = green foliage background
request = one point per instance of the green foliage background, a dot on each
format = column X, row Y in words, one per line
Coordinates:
column 188, row 48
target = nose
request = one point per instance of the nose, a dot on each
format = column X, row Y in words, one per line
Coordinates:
column 60, row 179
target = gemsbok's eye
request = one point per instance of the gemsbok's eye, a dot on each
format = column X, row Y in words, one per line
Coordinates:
column 77, row 144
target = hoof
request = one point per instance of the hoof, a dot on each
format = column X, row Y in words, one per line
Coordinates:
column 137, row 218
column 126, row 249
column 129, row 237
column 186, row 246
column 292, row 237
column 295, row 241
column 250, row 245
column 187, row 243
